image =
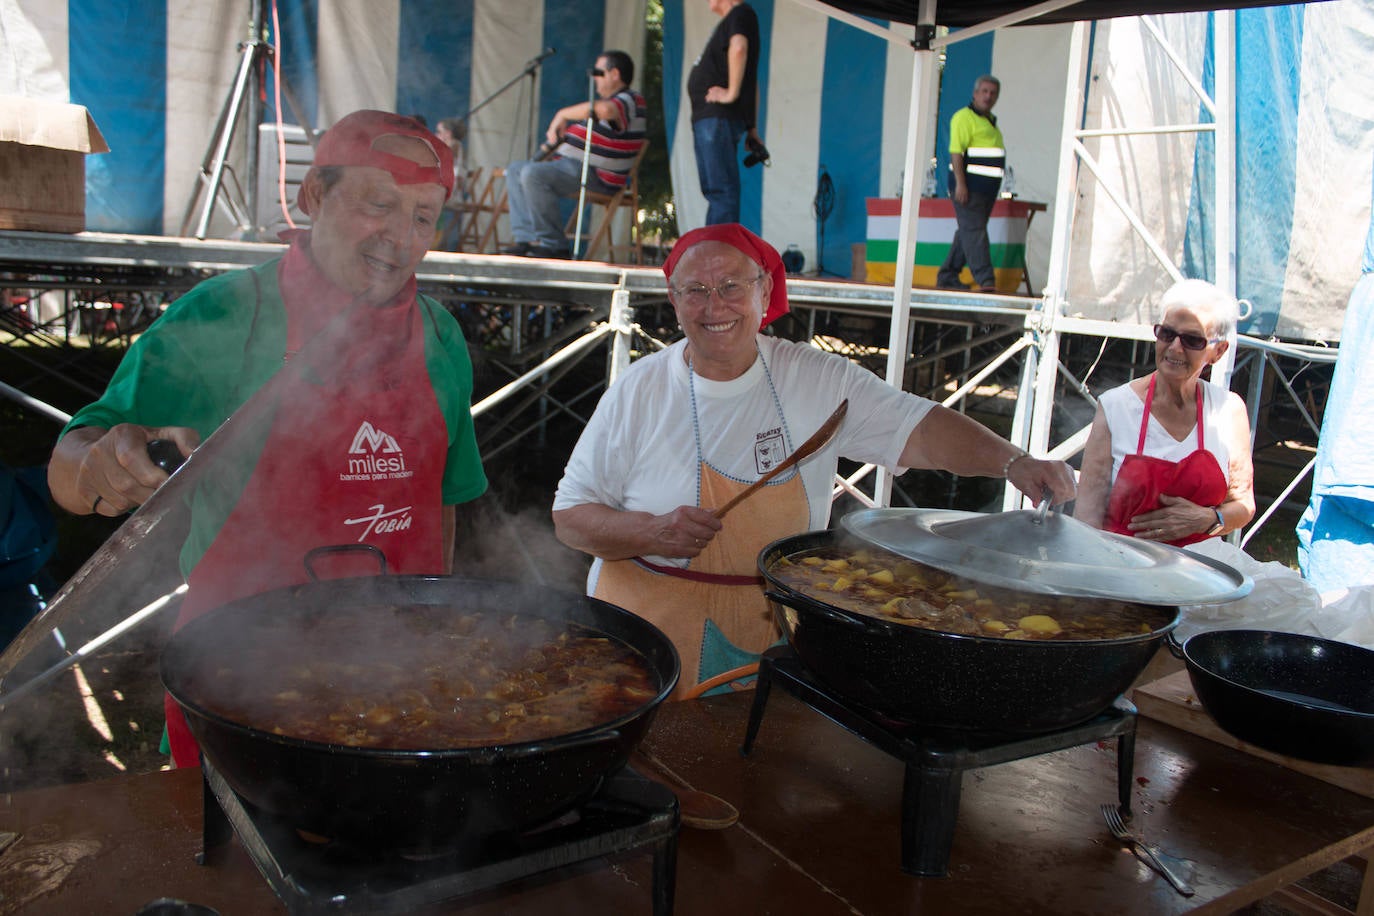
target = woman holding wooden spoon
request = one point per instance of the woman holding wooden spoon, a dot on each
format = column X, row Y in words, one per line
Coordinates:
column 687, row 429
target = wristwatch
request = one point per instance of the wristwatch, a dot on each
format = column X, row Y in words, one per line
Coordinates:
column 1220, row 525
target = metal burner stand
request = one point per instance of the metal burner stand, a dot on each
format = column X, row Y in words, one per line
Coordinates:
column 936, row 758
column 628, row 813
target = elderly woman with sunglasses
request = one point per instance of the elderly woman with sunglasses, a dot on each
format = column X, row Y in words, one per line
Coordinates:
column 1168, row 457
column 688, row 428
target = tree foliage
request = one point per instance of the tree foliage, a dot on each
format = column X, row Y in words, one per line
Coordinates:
column 655, row 181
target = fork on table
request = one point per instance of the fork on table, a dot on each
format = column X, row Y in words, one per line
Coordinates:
column 1119, row 830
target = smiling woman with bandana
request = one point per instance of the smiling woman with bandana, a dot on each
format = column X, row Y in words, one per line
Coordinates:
column 1168, row 457
column 356, row 391
column 686, row 429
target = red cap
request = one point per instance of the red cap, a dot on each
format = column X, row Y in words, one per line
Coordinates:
column 753, row 247
column 350, row 142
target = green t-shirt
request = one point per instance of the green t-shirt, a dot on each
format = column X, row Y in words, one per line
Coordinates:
column 221, row 342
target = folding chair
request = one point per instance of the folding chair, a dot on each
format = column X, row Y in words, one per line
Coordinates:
column 481, row 211
column 626, row 197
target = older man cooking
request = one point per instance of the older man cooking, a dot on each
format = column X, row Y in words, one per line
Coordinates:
column 367, row 437
column 688, row 428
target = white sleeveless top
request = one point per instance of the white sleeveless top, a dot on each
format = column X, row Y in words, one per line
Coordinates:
column 1123, row 409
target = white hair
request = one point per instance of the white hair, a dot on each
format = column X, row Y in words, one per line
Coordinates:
column 1207, row 300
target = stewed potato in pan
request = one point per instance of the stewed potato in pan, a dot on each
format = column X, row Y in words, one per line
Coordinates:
column 873, row 581
column 421, row 677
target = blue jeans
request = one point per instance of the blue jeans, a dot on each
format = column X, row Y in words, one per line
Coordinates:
column 970, row 245
column 716, row 141
column 534, row 190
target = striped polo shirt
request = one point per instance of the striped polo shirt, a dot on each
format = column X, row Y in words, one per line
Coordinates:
column 613, row 148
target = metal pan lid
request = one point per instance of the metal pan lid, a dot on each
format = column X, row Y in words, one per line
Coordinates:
column 1053, row 554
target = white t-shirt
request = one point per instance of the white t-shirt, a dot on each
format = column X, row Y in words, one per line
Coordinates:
column 639, row 451
column 1123, row 409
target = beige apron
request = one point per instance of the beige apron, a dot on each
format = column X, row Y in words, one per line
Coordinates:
column 680, row 607
column 717, row 602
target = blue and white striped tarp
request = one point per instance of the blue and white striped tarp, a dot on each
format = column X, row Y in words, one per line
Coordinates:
column 1304, row 113
column 155, row 75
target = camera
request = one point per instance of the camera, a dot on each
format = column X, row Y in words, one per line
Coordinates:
column 757, row 153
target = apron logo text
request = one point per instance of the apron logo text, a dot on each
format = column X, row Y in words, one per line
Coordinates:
column 768, row 450
column 382, row 521
column 381, row 456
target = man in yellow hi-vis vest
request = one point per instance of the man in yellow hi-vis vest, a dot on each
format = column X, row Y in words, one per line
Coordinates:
column 976, row 161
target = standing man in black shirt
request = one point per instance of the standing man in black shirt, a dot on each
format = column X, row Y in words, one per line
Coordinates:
column 723, row 88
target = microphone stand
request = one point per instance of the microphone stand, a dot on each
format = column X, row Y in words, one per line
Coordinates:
column 531, row 70
column 586, row 163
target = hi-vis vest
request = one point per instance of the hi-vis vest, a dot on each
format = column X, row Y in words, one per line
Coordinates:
column 984, row 163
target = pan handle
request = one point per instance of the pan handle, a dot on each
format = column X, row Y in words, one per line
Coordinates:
column 316, row 552
column 1175, row 647
column 165, row 454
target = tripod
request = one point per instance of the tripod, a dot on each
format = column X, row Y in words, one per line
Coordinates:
column 254, row 57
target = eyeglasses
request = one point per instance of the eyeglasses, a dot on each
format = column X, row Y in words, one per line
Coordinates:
column 1166, row 335
column 731, row 292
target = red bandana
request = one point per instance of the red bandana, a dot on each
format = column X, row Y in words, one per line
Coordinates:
column 753, row 247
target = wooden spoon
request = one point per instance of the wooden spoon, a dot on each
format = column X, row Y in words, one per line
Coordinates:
column 817, row 441
column 701, row 810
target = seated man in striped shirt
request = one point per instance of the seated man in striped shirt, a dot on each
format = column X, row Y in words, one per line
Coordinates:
column 534, row 188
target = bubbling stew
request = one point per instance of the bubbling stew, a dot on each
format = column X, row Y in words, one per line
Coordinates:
column 873, row 581
column 421, row 677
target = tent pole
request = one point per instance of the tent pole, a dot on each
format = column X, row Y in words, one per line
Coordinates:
column 1224, row 91
column 920, row 139
column 1035, row 406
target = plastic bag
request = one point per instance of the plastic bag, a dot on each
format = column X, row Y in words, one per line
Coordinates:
column 1347, row 615
column 1281, row 600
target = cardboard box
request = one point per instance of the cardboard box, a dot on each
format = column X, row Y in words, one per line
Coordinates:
column 43, row 148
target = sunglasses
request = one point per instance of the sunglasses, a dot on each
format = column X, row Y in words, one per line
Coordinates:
column 1166, row 335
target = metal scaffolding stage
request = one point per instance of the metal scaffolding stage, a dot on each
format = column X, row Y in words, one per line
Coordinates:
column 548, row 336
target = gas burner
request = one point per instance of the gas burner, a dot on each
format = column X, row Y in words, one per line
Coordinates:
column 936, row 758
column 628, row 813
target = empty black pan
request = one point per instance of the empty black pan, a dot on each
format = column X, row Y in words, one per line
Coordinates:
column 1301, row 696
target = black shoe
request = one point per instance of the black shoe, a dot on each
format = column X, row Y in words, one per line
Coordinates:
column 542, row 251
column 519, row 249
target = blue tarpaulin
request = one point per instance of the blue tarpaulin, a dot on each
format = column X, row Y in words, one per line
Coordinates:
column 1336, row 533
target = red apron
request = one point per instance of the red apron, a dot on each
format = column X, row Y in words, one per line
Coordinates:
column 368, row 470
column 1197, row 477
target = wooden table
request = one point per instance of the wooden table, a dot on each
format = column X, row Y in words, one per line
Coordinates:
column 818, row 833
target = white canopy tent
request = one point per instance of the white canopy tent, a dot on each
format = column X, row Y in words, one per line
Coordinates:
column 1051, row 318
